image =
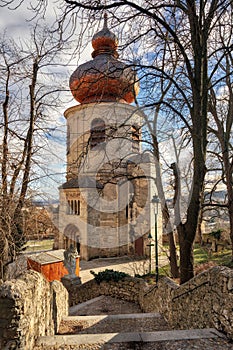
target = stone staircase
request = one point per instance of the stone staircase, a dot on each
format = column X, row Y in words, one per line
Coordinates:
column 139, row 331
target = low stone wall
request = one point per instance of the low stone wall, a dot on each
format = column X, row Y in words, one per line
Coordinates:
column 204, row 301
column 128, row 289
column 30, row 307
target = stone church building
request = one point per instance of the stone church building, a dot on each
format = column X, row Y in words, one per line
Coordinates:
column 105, row 203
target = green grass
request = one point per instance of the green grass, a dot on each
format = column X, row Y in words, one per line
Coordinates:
column 37, row 245
column 164, row 271
column 223, row 258
column 203, row 255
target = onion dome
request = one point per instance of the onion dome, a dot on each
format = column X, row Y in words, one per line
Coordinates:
column 104, row 78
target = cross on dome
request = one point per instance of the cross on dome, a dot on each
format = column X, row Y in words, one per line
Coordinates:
column 105, row 20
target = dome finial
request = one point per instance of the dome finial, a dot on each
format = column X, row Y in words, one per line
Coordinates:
column 105, row 42
column 105, row 20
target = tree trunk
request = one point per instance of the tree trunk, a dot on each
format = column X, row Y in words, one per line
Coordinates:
column 171, row 240
column 199, row 229
column 186, row 255
column 231, row 228
column 228, row 172
column 173, row 256
column 187, row 231
column 165, row 213
column 28, row 147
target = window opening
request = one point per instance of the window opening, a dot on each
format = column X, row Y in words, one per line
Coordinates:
column 73, row 207
column 127, row 211
column 98, row 132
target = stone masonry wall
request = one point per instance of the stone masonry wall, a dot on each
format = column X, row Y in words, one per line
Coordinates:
column 128, row 289
column 30, row 307
column 204, row 301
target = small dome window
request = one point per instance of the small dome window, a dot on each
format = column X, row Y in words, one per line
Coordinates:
column 98, row 132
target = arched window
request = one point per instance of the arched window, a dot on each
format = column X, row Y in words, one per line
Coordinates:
column 97, row 132
column 72, row 236
column 77, row 207
column 73, row 207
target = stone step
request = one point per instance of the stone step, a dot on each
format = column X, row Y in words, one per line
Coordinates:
column 113, row 316
column 137, row 322
column 96, row 341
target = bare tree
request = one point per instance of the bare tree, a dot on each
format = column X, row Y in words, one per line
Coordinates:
column 221, row 118
column 188, row 27
column 29, row 95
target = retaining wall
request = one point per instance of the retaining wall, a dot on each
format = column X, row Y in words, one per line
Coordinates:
column 204, row 301
column 30, row 307
column 128, row 289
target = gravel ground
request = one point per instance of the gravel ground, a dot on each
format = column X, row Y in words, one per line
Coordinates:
column 113, row 326
column 109, row 306
column 200, row 344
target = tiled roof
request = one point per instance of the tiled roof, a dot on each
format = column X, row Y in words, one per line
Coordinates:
column 82, row 182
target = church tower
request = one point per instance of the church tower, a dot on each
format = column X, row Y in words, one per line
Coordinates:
column 105, row 203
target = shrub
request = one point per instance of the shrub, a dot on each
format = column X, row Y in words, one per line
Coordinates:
column 109, row 275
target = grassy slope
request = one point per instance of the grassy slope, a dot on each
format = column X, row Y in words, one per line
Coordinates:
column 204, row 258
column 38, row 245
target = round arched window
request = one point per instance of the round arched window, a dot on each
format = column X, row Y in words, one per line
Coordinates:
column 97, row 132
